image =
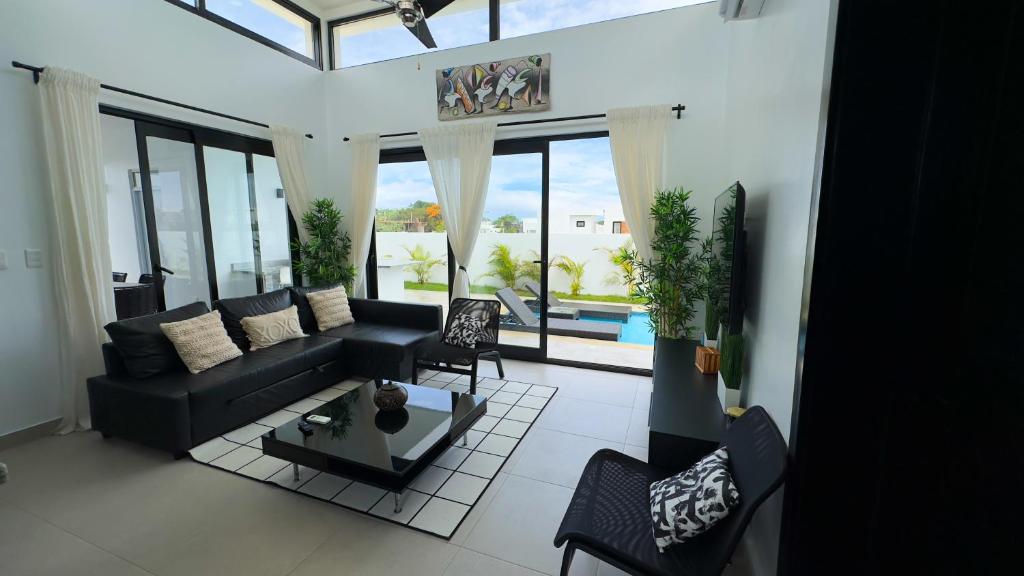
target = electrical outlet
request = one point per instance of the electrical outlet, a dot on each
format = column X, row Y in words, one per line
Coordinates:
column 33, row 258
column 3, row 259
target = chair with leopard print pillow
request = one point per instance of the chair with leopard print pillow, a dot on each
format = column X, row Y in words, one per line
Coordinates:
column 470, row 335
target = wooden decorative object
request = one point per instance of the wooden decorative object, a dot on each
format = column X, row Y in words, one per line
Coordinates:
column 709, row 360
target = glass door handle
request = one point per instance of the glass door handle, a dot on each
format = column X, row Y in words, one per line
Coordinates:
column 162, row 269
column 538, row 261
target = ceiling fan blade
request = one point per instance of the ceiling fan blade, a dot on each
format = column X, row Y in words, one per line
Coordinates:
column 423, row 34
column 431, row 7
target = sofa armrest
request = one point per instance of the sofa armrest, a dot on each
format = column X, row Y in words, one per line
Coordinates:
column 154, row 412
column 405, row 314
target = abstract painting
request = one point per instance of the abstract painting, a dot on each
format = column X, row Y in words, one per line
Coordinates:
column 492, row 88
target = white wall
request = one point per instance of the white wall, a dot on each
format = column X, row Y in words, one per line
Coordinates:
column 774, row 114
column 674, row 56
column 148, row 46
column 583, row 248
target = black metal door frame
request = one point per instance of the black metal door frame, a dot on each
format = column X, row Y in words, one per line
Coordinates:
column 199, row 136
column 537, row 144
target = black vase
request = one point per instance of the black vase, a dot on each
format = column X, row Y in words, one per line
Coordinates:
column 390, row 396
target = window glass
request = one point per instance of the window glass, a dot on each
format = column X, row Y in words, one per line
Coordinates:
column 274, row 233
column 227, row 185
column 461, row 23
column 587, row 245
column 269, row 19
column 412, row 245
column 522, row 17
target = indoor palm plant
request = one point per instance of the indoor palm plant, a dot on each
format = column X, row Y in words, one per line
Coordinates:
column 673, row 280
column 324, row 256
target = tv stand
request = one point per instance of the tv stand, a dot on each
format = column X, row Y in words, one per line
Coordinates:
column 686, row 418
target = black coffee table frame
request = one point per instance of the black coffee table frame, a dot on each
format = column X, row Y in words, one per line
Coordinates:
column 389, row 480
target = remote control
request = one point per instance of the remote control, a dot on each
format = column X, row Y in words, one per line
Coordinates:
column 317, row 419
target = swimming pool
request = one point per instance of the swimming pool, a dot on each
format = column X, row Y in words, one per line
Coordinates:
column 634, row 331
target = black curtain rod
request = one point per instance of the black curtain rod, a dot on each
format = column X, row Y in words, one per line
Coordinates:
column 36, row 71
column 678, row 109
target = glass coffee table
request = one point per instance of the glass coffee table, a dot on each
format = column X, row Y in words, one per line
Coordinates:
column 383, row 449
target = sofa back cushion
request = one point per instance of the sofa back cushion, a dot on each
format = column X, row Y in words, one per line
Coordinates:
column 306, row 317
column 232, row 310
column 145, row 349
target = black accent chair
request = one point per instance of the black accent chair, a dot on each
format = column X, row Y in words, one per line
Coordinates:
column 609, row 516
column 120, row 276
column 445, row 357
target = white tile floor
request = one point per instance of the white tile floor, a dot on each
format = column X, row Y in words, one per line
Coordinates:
column 81, row 505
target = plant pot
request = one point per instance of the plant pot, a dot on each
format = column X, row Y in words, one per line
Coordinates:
column 729, row 397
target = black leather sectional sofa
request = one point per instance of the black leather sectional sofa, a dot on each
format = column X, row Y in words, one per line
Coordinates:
column 148, row 396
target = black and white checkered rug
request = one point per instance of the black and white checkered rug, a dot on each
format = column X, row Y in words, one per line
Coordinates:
column 440, row 498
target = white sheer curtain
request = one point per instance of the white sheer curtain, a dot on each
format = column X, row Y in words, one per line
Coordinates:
column 459, row 158
column 81, row 254
column 365, row 158
column 288, row 151
column 637, row 138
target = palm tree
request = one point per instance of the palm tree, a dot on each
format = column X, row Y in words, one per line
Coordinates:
column 504, row 266
column 574, row 270
column 422, row 262
column 622, row 258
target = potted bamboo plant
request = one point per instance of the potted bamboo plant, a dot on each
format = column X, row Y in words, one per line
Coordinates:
column 673, row 280
column 324, row 256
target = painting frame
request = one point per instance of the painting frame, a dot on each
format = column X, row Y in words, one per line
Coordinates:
column 496, row 88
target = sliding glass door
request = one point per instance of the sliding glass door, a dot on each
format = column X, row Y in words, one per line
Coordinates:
column 590, row 242
column 174, row 210
column 507, row 261
column 552, row 247
column 199, row 213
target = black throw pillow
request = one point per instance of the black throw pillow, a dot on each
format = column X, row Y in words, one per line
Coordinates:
column 232, row 310
column 144, row 348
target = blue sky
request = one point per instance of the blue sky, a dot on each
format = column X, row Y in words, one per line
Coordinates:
column 250, row 15
column 581, row 172
column 453, row 27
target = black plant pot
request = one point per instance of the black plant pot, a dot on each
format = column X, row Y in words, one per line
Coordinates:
column 390, row 396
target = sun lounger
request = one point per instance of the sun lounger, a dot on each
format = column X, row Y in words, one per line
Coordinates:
column 618, row 312
column 522, row 319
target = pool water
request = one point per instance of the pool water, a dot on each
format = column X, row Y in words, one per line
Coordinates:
column 636, row 330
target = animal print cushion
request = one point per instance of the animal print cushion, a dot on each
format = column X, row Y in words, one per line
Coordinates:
column 691, row 502
column 465, row 331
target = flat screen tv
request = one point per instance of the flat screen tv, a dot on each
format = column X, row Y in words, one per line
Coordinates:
column 725, row 265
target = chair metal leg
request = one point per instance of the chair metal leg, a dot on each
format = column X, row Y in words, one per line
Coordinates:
column 497, row 361
column 567, row 558
column 472, row 377
column 415, row 370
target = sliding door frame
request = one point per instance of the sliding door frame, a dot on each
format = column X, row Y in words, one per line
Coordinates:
column 528, row 145
column 200, row 136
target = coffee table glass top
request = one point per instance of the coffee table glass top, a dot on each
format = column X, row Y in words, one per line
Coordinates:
column 389, row 442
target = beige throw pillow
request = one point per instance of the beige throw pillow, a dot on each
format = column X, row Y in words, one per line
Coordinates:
column 201, row 342
column 266, row 330
column 330, row 308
